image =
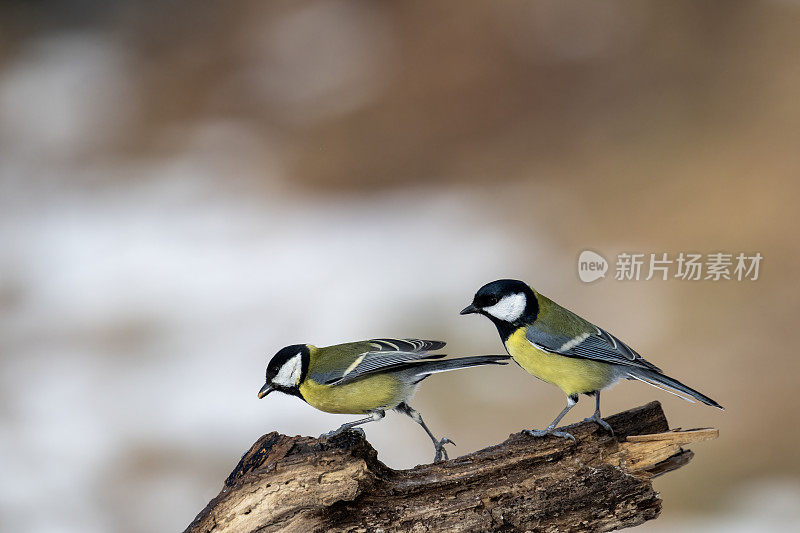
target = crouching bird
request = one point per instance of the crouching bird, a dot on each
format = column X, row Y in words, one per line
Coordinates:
column 367, row 377
column 559, row 347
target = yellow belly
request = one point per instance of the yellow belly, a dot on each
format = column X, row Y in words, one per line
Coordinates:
column 572, row 375
column 382, row 391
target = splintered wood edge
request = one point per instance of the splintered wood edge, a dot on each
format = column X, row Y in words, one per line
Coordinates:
column 657, row 453
column 678, row 460
column 677, row 436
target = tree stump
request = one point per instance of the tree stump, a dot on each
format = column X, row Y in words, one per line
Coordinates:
column 600, row 483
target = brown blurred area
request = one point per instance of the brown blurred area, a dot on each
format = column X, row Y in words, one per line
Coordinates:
column 545, row 127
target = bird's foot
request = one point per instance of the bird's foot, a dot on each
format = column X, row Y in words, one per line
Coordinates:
column 441, row 453
column 339, row 431
column 550, row 431
column 600, row 422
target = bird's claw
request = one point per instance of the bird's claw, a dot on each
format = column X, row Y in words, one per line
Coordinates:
column 545, row 432
column 600, row 422
column 440, row 451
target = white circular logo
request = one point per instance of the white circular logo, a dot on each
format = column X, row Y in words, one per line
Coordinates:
column 591, row 266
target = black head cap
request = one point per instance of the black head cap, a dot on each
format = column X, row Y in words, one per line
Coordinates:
column 286, row 370
column 521, row 309
column 493, row 292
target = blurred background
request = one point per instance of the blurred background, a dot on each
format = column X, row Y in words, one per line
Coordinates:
column 186, row 187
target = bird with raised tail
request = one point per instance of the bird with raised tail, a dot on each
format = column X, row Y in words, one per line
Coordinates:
column 559, row 347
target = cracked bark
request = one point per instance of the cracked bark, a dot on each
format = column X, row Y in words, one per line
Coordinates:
column 601, row 483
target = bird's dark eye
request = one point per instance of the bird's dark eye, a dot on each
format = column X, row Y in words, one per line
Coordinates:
column 490, row 301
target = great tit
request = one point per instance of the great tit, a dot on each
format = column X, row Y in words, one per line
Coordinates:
column 366, row 377
column 559, row 347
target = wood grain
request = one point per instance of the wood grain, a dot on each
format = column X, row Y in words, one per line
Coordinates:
column 600, row 483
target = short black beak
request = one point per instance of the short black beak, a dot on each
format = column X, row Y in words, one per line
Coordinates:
column 266, row 389
column 469, row 310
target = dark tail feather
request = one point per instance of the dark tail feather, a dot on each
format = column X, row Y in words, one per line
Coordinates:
column 432, row 367
column 670, row 385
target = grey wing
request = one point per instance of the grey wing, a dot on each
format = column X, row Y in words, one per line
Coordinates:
column 380, row 362
column 598, row 345
column 386, row 355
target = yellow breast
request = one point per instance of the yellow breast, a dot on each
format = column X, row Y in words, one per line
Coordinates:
column 572, row 375
column 382, row 391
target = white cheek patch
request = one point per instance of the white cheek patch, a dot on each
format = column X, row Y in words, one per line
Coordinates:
column 289, row 374
column 510, row 308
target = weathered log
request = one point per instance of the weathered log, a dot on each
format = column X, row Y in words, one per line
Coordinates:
column 600, row 483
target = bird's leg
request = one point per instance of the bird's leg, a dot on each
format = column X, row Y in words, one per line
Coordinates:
column 374, row 415
column 551, row 429
column 596, row 416
column 437, row 444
